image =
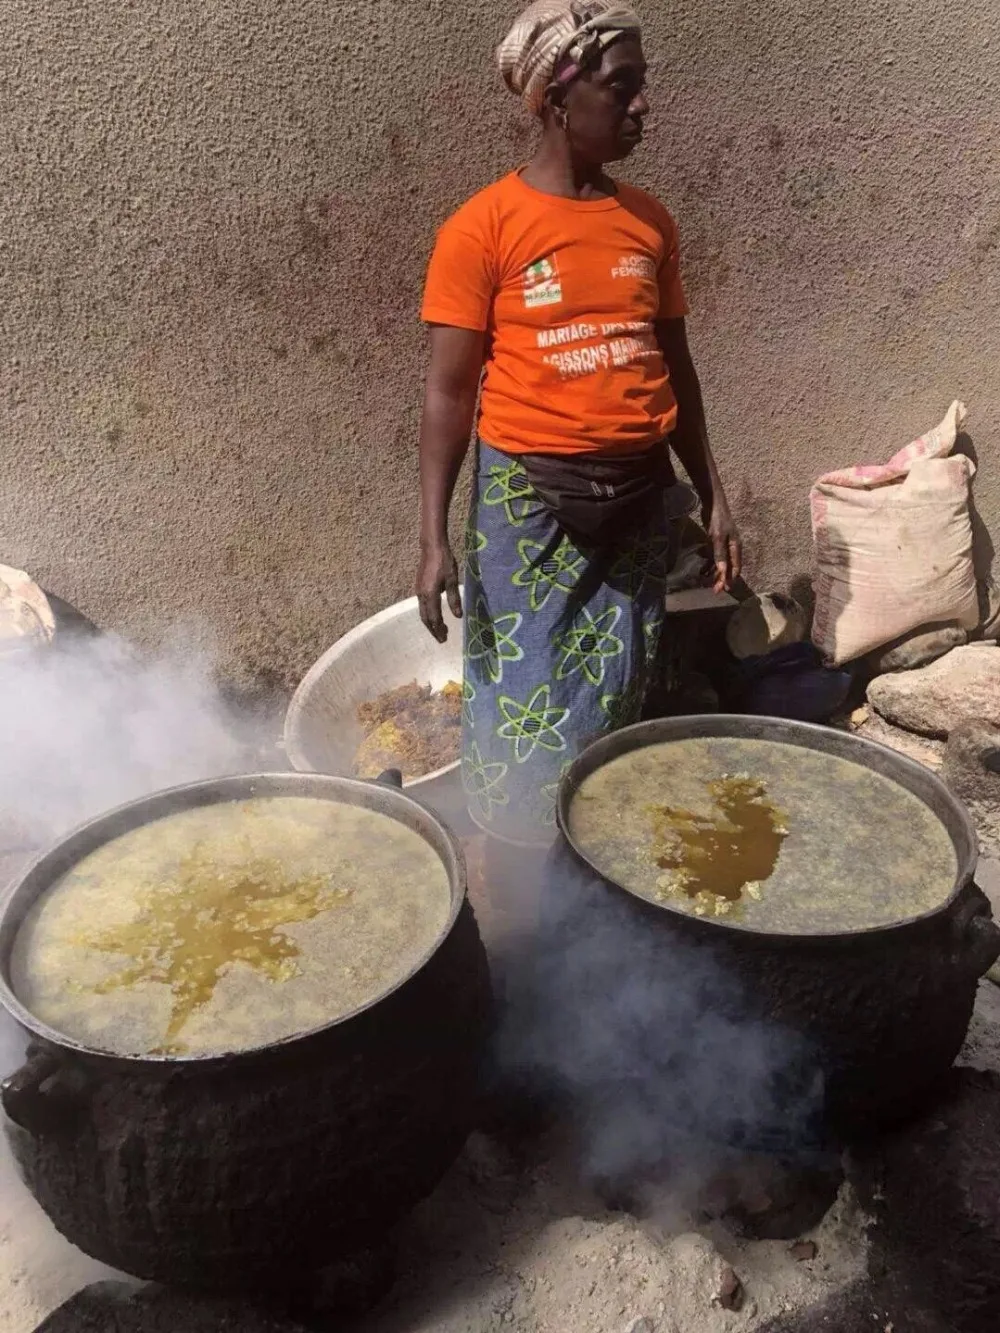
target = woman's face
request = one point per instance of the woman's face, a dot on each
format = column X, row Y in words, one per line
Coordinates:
column 605, row 107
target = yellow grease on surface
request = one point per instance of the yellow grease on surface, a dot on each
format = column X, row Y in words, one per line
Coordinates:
column 857, row 850
column 713, row 858
column 191, row 928
column 230, row 926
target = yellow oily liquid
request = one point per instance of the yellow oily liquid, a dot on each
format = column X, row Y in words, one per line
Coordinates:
column 775, row 837
column 191, row 929
column 230, row 926
column 714, row 857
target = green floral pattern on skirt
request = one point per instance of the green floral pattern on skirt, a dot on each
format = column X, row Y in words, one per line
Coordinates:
column 559, row 646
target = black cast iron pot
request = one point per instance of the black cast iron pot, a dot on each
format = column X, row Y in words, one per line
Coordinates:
column 876, row 1016
column 253, row 1169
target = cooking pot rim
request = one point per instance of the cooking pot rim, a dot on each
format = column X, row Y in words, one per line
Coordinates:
column 914, row 777
column 47, row 868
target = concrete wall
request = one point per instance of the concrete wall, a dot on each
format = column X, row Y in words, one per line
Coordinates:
column 213, row 227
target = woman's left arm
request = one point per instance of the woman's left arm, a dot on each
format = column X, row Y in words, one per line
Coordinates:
column 690, row 443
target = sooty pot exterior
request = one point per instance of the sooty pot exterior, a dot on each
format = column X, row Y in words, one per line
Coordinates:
column 254, row 1170
column 880, row 1015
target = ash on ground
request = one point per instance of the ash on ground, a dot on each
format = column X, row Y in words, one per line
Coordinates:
column 503, row 1245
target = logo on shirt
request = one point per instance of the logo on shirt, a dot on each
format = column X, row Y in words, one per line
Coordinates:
column 541, row 284
column 634, row 266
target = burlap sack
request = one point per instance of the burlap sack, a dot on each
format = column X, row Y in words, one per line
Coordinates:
column 893, row 546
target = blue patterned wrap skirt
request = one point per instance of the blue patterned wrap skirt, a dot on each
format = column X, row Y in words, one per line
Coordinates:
column 560, row 645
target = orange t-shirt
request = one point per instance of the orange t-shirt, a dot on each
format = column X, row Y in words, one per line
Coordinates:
column 567, row 292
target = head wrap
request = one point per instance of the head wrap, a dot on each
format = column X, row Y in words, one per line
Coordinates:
column 563, row 35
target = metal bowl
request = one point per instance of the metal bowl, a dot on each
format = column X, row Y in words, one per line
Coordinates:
column 392, row 648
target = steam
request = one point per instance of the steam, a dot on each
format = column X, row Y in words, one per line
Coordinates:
column 39, row 1270
column 89, row 725
column 86, row 725
column 647, row 1047
column 648, row 1050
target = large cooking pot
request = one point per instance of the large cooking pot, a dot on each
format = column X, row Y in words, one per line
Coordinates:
column 877, row 1015
column 258, row 1167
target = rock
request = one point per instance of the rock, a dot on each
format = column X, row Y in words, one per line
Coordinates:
column 990, row 628
column 963, row 686
column 916, row 650
column 972, row 771
column 640, row 1325
column 927, row 752
column 730, row 1294
column 803, row 1251
column 761, row 624
column 26, row 618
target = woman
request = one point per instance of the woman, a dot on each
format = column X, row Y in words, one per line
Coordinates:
column 564, row 285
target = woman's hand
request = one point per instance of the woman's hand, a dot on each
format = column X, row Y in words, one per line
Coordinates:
column 449, row 405
column 437, row 573
column 727, row 548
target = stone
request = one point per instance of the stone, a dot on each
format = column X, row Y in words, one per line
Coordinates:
column 916, row 650
column 639, row 1325
column 803, row 1251
column 764, row 623
column 963, row 686
column 730, row 1294
column 928, row 752
column 972, row 771
column 26, row 619
column 990, row 628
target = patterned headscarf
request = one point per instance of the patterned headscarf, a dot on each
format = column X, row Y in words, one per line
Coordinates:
column 563, row 35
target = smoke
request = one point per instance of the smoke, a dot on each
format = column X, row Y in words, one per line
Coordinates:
column 88, row 725
column 84, row 726
column 39, row 1270
column 646, row 1045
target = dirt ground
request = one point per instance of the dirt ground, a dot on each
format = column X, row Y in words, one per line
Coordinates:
column 499, row 1250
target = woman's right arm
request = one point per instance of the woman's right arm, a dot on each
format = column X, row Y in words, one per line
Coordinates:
column 456, row 365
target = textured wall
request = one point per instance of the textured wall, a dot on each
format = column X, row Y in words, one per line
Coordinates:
column 213, row 227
